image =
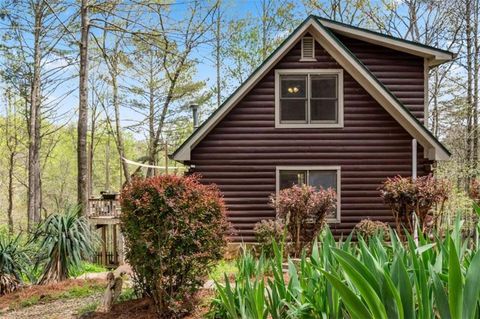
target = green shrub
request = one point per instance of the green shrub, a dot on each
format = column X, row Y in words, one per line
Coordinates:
column 14, row 262
column 304, row 210
column 65, row 240
column 367, row 228
column 174, row 230
column 267, row 231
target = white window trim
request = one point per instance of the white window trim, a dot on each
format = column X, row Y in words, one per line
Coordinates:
column 337, row 72
column 308, row 59
column 316, row 168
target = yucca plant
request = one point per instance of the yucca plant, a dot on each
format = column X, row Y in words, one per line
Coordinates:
column 14, row 263
column 65, row 240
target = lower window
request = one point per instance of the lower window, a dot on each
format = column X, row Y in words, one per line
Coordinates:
column 317, row 176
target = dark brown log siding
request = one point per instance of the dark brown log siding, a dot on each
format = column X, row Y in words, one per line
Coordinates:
column 402, row 73
column 241, row 153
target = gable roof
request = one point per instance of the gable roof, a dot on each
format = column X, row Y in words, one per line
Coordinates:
column 435, row 56
column 433, row 148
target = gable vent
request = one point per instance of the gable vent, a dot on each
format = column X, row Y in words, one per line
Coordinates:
column 308, row 49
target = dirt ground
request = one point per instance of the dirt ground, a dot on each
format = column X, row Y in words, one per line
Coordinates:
column 144, row 309
column 49, row 301
column 59, row 309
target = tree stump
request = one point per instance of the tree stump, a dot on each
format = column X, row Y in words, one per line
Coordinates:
column 113, row 290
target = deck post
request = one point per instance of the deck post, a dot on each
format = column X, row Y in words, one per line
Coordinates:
column 104, row 245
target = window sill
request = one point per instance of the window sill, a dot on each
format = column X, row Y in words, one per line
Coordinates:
column 333, row 221
column 307, row 126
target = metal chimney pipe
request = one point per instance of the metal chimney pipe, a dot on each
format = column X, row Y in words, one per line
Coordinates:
column 194, row 108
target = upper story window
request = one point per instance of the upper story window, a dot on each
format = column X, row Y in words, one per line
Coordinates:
column 308, row 98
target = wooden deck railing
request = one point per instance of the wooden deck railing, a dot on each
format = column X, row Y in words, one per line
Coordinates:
column 103, row 208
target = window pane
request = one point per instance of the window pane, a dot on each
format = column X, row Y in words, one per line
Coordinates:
column 323, row 179
column 293, row 110
column 323, row 110
column 290, row 178
column 324, row 86
column 293, row 86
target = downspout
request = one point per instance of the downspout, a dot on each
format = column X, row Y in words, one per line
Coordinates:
column 414, row 177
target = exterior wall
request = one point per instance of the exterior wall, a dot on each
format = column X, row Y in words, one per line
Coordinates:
column 241, row 153
column 402, row 73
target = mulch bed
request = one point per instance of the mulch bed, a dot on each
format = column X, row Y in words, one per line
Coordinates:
column 144, row 309
column 45, row 292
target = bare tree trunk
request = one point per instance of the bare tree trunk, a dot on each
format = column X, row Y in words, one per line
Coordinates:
column 218, row 34
column 475, row 87
column 107, row 164
column 12, row 142
column 118, row 128
column 469, row 140
column 265, row 14
column 82, row 128
column 91, row 150
column 151, row 127
column 11, row 163
column 34, row 125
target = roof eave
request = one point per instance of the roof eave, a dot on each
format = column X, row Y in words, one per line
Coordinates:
column 434, row 55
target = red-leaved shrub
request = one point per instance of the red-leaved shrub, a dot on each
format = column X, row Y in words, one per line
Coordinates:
column 405, row 195
column 475, row 191
column 304, row 210
column 174, row 230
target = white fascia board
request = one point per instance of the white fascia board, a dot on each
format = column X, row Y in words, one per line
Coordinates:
column 434, row 57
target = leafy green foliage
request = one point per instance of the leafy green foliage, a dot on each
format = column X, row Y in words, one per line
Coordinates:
column 438, row 278
column 86, row 267
column 174, row 231
column 65, row 240
column 14, row 262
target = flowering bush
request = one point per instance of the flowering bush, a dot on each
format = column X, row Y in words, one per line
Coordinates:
column 267, row 231
column 174, row 231
column 422, row 195
column 475, row 191
column 304, row 210
column 368, row 228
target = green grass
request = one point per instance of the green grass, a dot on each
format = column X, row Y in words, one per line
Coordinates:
column 87, row 308
column 224, row 267
column 31, row 301
column 82, row 291
column 127, row 294
column 86, row 267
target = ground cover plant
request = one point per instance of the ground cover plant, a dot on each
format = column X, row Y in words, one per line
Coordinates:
column 68, row 289
column 174, row 230
column 437, row 278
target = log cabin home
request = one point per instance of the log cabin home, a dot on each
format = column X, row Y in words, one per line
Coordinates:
column 333, row 106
